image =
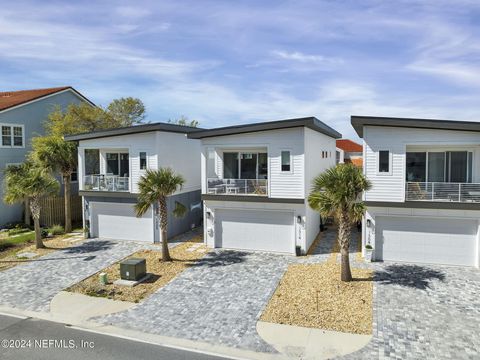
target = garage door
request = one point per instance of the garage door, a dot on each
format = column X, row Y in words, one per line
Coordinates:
column 255, row 230
column 426, row 240
column 118, row 221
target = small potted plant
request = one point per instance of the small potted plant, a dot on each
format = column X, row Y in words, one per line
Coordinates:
column 368, row 252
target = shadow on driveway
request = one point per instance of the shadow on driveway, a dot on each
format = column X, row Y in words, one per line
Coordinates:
column 223, row 258
column 89, row 247
column 412, row 276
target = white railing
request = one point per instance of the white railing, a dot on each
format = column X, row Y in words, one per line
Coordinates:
column 441, row 191
column 105, row 183
column 237, row 186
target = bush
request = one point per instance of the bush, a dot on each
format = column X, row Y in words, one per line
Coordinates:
column 368, row 247
column 44, row 233
column 16, row 231
column 57, row 230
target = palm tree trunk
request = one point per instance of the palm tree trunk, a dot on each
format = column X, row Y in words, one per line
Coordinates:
column 163, row 228
column 68, row 210
column 344, row 242
column 27, row 212
column 35, row 209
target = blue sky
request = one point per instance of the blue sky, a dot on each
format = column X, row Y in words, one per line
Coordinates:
column 231, row 62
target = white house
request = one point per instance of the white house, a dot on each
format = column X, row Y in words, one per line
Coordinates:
column 110, row 164
column 255, row 181
column 425, row 198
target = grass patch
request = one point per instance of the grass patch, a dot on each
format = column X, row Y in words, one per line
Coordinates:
column 312, row 295
column 162, row 273
column 15, row 240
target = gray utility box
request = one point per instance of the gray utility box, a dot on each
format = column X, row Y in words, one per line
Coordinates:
column 133, row 269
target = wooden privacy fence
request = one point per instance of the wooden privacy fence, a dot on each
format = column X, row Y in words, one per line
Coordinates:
column 53, row 210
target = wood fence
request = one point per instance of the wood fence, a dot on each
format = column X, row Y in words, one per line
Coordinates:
column 53, row 210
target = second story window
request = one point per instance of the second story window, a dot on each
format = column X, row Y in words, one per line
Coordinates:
column 12, row 136
column 286, row 161
column 143, row 160
column 384, row 161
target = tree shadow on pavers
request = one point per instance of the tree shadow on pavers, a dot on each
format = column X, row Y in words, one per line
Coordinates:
column 412, row 276
column 223, row 258
column 91, row 246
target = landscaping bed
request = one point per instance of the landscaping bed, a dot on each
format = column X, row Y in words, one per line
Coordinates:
column 183, row 256
column 312, row 295
column 25, row 243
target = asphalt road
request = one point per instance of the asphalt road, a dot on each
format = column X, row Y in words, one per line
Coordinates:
column 38, row 339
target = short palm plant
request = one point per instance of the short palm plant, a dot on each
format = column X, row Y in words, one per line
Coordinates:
column 337, row 192
column 155, row 186
column 29, row 182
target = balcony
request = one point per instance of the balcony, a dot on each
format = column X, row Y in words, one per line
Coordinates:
column 106, row 183
column 443, row 192
column 254, row 187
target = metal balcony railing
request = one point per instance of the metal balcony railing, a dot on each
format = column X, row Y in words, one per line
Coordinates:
column 441, row 191
column 105, row 183
column 256, row 187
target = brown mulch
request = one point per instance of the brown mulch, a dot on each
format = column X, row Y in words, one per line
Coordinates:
column 312, row 295
column 162, row 273
column 9, row 259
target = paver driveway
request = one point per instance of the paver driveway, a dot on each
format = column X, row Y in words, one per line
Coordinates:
column 31, row 286
column 424, row 312
column 218, row 300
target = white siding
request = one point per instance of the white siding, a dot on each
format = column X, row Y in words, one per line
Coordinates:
column 315, row 143
column 281, row 185
column 391, row 187
column 163, row 149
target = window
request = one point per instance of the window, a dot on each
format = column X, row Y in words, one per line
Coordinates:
column 384, row 161
column 74, row 175
column 6, row 136
column 245, row 165
column 92, row 162
column 12, row 136
column 416, row 164
column 286, row 161
column 143, row 160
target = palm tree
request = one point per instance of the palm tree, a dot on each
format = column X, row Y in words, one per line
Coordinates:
column 337, row 192
column 155, row 186
column 29, row 182
column 58, row 155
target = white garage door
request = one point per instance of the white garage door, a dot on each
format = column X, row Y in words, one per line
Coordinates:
column 118, row 221
column 255, row 230
column 426, row 240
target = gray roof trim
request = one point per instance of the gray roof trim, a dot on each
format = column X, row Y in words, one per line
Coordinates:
column 136, row 129
column 425, row 205
column 358, row 122
column 309, row 122
column 246, row 198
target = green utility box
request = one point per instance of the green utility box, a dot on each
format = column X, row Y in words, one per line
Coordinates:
column 133, row 269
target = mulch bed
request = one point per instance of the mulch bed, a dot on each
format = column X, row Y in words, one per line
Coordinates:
column 162, row 273
column 312, row 295
column 9, row 259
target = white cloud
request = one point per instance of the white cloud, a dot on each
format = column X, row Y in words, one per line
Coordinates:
column 305, row 58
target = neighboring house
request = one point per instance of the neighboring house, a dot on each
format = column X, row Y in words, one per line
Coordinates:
column 22, row 116
column 425, row 198
column 110, row 164
column 349, row 151
column 255, row 181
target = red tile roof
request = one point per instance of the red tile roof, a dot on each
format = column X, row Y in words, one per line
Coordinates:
column 357, row 162
column 349, row 145
column 10, row 99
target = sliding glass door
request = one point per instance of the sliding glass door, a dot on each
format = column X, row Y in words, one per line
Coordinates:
column 117, row 164
column 245, row 165
column 448, row 166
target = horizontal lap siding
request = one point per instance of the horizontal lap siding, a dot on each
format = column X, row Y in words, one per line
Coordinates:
column 391, row 187
column 282, row 185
